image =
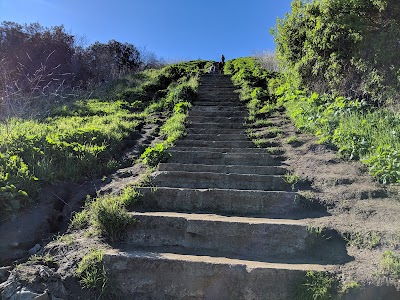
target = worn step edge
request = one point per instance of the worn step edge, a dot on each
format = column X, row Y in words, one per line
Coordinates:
column 222, row 150
column 186, row 142
column 238, row 169
column 148, row 275
column 276, row 204
column 220, row 180
column 249, row 238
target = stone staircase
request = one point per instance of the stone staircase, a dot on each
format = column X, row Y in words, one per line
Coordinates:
column 221, row 223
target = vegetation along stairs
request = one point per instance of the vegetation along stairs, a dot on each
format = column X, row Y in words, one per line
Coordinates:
column 220, row 221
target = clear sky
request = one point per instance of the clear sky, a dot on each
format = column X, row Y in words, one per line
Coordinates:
column 172, row 29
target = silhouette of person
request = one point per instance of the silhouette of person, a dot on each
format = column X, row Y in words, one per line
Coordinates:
column 222, row 64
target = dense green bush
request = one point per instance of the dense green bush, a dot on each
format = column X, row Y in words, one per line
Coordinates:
column 342, row 47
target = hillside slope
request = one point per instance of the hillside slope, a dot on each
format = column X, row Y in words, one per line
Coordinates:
column 244, row 206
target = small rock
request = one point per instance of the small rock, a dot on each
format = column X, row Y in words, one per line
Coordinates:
column 14, row 245
column 24, row 294
column 35, row 249
column 44, row 296
column 4, row 272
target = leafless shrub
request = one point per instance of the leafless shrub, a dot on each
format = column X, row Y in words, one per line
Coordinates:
column 30, row 95
column 268, row 60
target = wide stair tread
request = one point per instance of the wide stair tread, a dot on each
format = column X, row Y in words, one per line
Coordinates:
column 260, row 239
column 147, row 275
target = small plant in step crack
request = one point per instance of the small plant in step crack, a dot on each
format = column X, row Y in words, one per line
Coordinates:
column 315, row 235
column 259, row 123
column 261, row 143
column 254, row 134
column 293, row 179
column 390, row 264
column 275, row 151
column 347, row 287
column 317, row 286
column 360, row 240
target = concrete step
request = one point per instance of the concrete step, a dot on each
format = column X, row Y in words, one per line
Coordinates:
column 224, row 100
column 213, row 131
column 259, row 170
column 215, row 119
column 187, row 142
column 277, row 204
column 155, row 275
column 220, row 88
column 208, row 180
column 230, row 125
column 222, row 150
column 239, row 113
column 213, row 109
column 220, row 103
column 257, row 239
column 218, row 137
column 218, row 158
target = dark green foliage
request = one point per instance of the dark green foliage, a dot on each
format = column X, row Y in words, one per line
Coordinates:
column 341, row 47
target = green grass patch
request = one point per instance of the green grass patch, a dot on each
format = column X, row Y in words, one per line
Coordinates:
column 358, row 131
column 92, row 273
column 85, row 138
column 107, row 214
column 390, row 263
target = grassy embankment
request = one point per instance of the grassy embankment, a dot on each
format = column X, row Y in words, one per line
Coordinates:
column 84, row 140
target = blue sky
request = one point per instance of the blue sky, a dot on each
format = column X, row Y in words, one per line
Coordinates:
column 173, row 29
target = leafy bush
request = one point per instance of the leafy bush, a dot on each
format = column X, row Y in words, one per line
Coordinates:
column 340, row 47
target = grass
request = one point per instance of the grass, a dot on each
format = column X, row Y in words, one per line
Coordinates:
column 368, row 240
column 46, row 259
column 390, row 264
column 85, row 138
column 107, row 214
column 317, row 286
column 293, row 141
column 91, row 272
column 293, row 179
column 180, row 96
column 358, row 131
